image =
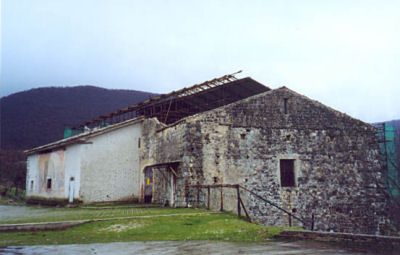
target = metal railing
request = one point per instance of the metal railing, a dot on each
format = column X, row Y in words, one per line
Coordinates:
column 240, row 204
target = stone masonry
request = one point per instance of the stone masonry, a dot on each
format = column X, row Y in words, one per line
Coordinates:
column 338, row 176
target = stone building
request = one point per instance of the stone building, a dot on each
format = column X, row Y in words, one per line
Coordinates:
column 295, row 152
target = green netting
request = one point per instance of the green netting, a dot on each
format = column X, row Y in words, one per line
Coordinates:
column 387, row 137
column 68, row 132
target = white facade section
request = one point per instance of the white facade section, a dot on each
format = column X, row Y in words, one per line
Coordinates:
column 32, row 175
column 110, row 166
column 45, row 175
column 73, row 169
column 99, row 167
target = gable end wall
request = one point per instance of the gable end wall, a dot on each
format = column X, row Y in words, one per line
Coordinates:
column 337, row 161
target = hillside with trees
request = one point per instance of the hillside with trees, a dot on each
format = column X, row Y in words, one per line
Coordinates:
column 39, row 116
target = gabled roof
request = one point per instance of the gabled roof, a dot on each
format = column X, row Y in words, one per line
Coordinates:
column 81, row 138
column 168, row 108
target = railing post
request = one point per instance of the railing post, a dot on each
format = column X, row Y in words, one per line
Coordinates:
column 238, row 202
column 312, row 222
column 198, row 194
column 187, row 195
column 208, row 201
column 245, row 211
column 222, row 200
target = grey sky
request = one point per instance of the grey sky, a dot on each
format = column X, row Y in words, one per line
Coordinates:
column 345, row 54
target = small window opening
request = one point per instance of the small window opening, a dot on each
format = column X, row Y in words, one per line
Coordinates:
column 285, row 101
column 72, row 179
column 287, row 172
column 139, row 142
column 242, row 136
column 49, row 183
column 31, row 185
column 215, row 179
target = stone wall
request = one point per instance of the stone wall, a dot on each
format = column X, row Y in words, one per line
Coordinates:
column 381, row 244
column 181, row 143
column 336, row 160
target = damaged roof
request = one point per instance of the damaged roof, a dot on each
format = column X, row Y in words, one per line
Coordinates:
column 171, row 107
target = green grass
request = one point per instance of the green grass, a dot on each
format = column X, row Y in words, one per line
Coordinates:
column 51, row 214
column 224, row 227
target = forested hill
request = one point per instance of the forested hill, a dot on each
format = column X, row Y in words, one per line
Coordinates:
column 38, row 116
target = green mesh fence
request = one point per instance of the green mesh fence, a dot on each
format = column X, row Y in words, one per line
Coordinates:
column 68, row 132
column 387, row 137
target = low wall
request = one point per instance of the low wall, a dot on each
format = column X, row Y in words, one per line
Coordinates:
column 386, row 242
column 41, row 226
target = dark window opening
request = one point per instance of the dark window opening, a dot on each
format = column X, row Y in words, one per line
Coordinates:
column 31, row 185
column 139, row 142
column 215, row 179
column 287, row 172
column 285, row 101
column 48, row 183
column 242, row 136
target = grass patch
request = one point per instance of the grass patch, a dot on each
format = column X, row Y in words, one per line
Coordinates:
column 221, row 227
column 51, row 214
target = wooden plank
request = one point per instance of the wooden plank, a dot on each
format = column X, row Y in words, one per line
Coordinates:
column 245, row 211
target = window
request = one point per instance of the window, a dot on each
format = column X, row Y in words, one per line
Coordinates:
column 138, row 142
column 287, row 173
column 32, row 185
column 285, row 108
column 49, row 183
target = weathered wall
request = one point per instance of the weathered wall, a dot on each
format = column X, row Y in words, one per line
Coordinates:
column 180, row 143
column 41, row 167
column 73, row 170
column 337, row 166
column 110, row 166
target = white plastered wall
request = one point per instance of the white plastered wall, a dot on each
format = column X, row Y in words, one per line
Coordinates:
column 72, row 169
column 40, row 168
column 110, row 166
column 32, row 175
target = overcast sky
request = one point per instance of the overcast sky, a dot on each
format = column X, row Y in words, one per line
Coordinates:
column 345, row 54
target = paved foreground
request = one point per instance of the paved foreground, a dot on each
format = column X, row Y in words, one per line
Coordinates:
column 190, row 247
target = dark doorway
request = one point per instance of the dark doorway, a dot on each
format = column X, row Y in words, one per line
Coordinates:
column 148, row 185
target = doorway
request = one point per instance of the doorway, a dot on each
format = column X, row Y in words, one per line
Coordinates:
column 148, row 184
